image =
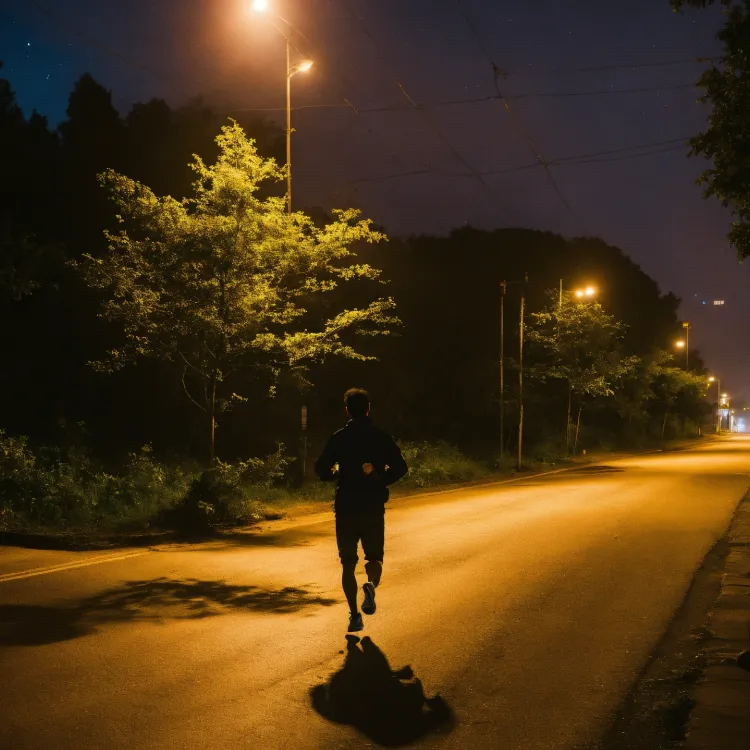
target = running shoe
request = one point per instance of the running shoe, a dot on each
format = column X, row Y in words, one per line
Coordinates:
column 368, row 605
column 355, row 623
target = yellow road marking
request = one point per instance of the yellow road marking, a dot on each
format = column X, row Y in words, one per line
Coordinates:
column 68, row 566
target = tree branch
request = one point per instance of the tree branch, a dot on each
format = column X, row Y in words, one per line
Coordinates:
column 187, row 392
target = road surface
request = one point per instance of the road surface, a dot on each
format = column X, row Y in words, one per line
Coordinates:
column 530, row 607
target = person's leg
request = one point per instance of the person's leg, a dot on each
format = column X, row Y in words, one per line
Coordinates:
column 374, row 570
column 349, row 584
column 373, row 541
column 347, row 538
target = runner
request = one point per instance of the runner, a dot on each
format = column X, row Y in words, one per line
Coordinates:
column 364, row 460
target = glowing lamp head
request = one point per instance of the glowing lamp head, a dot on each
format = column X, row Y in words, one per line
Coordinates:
column 680, row 344
column 579, row 293
column 305, row 65
column 259, row 6
column 711, row 379
column 590, row 291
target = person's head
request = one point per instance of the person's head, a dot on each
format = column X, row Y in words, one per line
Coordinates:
column 357, row 402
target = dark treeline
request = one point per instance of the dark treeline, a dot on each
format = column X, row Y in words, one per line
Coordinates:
column 437, row 378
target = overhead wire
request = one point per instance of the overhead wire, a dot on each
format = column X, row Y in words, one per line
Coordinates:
column 600, row 92
column 424, row 112
column 594, row 157
column 496, row 74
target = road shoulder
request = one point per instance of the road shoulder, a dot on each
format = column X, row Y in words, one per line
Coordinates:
column 720, row 719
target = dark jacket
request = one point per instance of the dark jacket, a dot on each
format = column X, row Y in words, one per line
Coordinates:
column 360, row 442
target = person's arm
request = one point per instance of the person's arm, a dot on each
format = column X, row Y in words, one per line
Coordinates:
column 327, row 460
column 396, row 467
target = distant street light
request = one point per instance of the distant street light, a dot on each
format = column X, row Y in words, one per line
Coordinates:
column 680, row 344
column 262, row 6
column 588, row 291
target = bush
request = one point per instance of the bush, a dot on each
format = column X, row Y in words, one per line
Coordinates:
column 228, row 493
column 437, row 463
column 45, row 488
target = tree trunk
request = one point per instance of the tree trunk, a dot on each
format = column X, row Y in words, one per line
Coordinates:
column 664, row 424
column 567, row 421
column 212, row 420
column 578, row 428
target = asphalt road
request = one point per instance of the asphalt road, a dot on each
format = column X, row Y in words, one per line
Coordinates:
column 531, row 607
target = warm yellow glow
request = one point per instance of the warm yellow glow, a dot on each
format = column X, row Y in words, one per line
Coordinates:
column 588, row 291
column 711, row 379
column 305, row 65
column 680, row 344
column 260, row 6
column 724, row 395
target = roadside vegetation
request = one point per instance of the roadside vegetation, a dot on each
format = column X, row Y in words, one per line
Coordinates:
column 161, row 295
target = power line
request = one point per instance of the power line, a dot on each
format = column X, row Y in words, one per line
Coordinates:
column 629, row 66
column 663, row 150
column 699, row 60
column 614, row 154
column 496, row 73
column 474, row 100
column 670, row 141
column 594, row 157
column 598, row 92
column 424, row 112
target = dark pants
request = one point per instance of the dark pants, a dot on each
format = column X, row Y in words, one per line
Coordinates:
column 367, row 527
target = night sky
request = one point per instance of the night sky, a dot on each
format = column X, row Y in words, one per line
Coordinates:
column 557, row 59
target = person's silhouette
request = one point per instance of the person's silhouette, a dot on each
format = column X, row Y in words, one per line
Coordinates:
column 364, row 460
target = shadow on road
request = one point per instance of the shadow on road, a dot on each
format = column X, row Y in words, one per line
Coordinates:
column 387, row 706
column 155, row 600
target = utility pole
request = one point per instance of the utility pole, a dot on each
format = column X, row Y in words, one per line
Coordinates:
column 503, row 289
column 289, row 75
column 686, row 326
column 519, row 465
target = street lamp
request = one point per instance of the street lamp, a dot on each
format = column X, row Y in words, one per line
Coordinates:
column 685, row 344
column 589, row 292
column 263, row 6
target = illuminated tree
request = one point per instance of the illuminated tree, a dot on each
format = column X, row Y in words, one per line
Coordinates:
column 578, row 343
column 225, row 281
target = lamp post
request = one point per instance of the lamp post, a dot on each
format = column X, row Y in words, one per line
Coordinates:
column 588, row 292
column 503, row 290
column 685, row 344
column 262, row 6
column 725, row 403
column 716, row 380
